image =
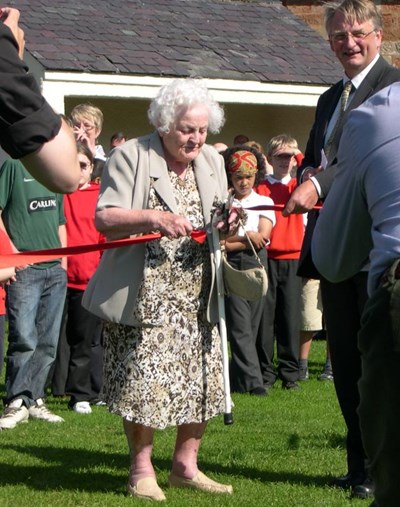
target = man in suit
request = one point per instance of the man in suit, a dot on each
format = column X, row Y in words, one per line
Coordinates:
column 365, row 196
column 354, row 28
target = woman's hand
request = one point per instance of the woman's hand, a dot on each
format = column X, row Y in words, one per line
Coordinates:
column 173, row 226
column 82, row 137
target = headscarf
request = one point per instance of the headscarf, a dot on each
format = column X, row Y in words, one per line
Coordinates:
column 242, row 162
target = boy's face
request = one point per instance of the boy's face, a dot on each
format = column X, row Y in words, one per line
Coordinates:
column 282, row 161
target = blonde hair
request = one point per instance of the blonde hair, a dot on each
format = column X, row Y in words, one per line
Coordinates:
column 256, row 145
column 282, row 140
column 87, row 112
column 353, row 10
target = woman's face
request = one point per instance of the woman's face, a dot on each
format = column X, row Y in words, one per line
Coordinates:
column 86, row 170
column 187, row 135
column 86, row 129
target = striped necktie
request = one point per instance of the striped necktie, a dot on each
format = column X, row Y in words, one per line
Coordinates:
column 343, row 103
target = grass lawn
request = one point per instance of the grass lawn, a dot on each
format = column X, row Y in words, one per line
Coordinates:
column 281, row 451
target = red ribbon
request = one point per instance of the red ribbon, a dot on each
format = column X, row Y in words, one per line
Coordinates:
column 34, row 256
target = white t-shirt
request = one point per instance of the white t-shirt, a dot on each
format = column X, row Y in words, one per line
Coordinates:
column 253, row 216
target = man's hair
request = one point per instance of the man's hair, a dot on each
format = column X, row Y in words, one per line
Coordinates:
column 282, row 140
column 118, row 136
column 353, row 10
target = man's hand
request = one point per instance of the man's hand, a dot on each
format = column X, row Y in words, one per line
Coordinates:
column 304, row 198
column 10, row 18
column 309, row 172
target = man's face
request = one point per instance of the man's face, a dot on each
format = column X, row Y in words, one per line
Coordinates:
column 354, row 44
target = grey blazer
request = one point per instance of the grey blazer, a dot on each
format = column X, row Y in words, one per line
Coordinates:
column 112, row 291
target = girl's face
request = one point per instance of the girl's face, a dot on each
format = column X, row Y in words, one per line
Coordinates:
column 86, row 170
column 242, row 184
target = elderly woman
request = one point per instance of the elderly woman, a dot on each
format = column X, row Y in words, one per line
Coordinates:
column 163, row 359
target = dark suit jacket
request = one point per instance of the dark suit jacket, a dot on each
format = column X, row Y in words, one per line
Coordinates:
column 381, row 75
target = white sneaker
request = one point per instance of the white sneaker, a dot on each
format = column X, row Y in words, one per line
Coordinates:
column 40, row 411
column 82, row 407
column 15, row 413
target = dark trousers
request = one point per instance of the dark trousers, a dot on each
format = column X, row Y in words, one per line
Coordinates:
column 343, row 306
column 2, row 331
column 79, row 365
column 281, row 320
column 379, row 342
column 242, row 321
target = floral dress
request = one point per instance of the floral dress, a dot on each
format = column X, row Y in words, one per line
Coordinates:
column 168, row 372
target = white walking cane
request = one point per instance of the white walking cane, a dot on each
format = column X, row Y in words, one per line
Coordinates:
column 228, row 418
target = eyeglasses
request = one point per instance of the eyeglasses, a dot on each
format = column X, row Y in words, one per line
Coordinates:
column 283, row 156
column 86, row 126
column 357, row 36
column 84, row 165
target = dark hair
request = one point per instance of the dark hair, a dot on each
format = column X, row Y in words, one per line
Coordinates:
column 240, row 139
column 261, row 165
column 117, row 136
column 98, row 167
column 85, row 150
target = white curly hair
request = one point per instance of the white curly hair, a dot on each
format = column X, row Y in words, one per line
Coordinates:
column 179, row 95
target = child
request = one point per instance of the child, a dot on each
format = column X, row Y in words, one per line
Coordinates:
column 281, row 318
column 245, row 167
column 82, row 329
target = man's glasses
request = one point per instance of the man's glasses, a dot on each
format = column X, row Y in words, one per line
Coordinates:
column 357, row 36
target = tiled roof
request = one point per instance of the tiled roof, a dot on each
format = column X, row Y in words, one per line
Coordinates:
column 228, row 39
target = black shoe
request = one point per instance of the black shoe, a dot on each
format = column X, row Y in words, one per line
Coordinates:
column 320, row 335
column 288, row 384
column 348, row 481
column 364, row 490
column 258, row 391
column 269, row 385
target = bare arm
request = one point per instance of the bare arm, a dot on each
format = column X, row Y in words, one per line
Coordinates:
column 62, row 234
column 55, row 164
column 117, row 223
column 6, row 274
column 258, row 238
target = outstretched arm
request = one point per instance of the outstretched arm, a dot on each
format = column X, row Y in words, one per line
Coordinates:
column 29, row 128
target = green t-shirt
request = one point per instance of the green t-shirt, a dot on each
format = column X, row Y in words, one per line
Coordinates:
column 31, row 213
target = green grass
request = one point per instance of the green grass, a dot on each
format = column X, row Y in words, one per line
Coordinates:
column 281, row 451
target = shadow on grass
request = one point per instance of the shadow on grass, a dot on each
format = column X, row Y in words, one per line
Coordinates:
column 94, row 471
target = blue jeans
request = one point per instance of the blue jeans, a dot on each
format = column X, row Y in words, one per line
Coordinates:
column 35, row 304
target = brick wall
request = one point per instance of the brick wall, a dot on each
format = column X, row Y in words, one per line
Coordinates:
column 311, row 12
